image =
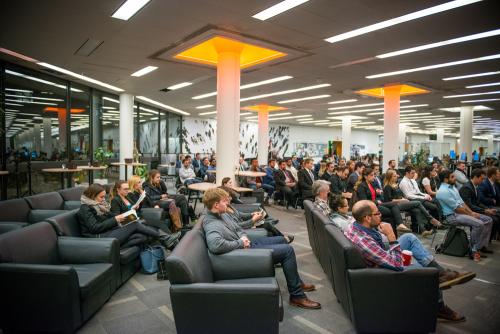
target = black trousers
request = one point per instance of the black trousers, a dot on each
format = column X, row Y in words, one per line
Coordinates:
column 271, row 229
column 289, row 193
column 391, row 210
column 132, row 234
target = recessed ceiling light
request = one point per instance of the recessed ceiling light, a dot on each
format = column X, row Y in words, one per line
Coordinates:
column 484, row 85
column 180, row 85
column 401, row 112
column 471, row 76
column 431, row 67
column 458, row 109
column 128, row 9
column 41, row 80
column 111, row 100
column 144, row 71
column 161, row 105
column 443, row 43
column 245, row 113
column 279, row 8
column 19, row 90
column 208, row 113
column 305, row 99
column 343, row 101
column 205, row 106
column 284, row 92
column 473, row 94
column 312, row 122
column 364, row 105
column 81, row 77
column 32, row 102
column 289, row 117
column 109, row 108
column 483, row 100
column 255, row 84
column 271, row 116
column 401, row 19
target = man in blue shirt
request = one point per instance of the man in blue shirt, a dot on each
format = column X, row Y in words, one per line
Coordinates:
column 456, row 212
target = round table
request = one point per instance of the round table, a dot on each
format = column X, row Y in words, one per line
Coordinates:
column 249, row 173
column 201, row 187
column 132, row 164
column 90, row 171
column 242, row 189
column 62, row 171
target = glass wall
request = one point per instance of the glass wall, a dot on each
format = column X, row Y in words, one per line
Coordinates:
column 80, row 123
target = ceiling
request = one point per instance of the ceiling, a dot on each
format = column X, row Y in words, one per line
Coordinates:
column 53, row 31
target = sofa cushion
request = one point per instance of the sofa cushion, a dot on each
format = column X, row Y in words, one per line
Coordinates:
column 92, row 276
column 14, row 210
column 10, row 226
column 72, row 194
column 129, row 254
column 34, row 244
column 66, row 224
column 46, row 201
column 38, row 215
column 71, row 205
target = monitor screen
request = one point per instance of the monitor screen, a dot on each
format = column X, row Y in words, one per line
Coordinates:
column 463, row 156
column 475, row 157
column 453, row 155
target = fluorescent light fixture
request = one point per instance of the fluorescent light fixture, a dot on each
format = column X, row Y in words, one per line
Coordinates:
column 109, row 108
column 343, row 101
column 41, row 80
column 19, row 90
column 400, row 19
column 255, row 84
column 443, row 43
column 365, row 105
column 245, row 113
column 161, row 105
column 208, row 113
column 144, row 71
column 401, row 112
column 316, row 121
column 484, row 85
column 34, row 97
column 431, row 67
column 205, row 106
column 471, row 76
column 180, row 85
column 305, row 99
column 81, row 77
column 288, row 117
column 11, row 110
column 271, row 116
column 484, row 100
column 305, row 119
column 284, row 92
column 33, row 102
column 279, row 8
column 110, row 99
column 128, row 9
column 475, row 108
column 473, row 94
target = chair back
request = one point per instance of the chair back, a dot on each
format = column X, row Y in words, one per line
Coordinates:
column 66, row 224
column 14, row 210
column 72, row 194
column 46, row 201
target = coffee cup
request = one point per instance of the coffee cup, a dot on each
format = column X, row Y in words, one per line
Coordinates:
column 407, row 255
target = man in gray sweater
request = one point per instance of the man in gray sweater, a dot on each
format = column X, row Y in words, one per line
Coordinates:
column 225, row 236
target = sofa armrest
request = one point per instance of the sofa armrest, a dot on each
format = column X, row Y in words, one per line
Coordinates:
column 377, row 296
column 38, row 215
column 88, row 250
column 242, row 263
column 153, row 215
column 255, row 233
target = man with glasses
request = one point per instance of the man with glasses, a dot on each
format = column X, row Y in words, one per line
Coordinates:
column 367, row 233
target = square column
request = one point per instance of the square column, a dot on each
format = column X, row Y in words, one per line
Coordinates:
column 346, row 137
column 390, row 149
column 126, row 130
column 466, row 122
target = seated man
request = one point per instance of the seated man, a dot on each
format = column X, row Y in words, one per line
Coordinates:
column 460, row 176
column 186, row 173
column 285, row 183
column 257, row 182
column 456, row 212
column 338, row 181
column 487, row 190
column 306, row 179
column 339, row 216
column 269, row 170
column 411, row 191
column 366, row 235
column 329, row 172
column 291, row 168
column 224, row 236
column 202, row 172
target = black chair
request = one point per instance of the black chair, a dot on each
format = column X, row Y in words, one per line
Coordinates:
column 45, row 205
column 50, row 283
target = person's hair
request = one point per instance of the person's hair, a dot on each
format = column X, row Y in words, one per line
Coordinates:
column 186, row 159
column 362, row 177
column 318, row 186
column 213, row 196
column 444, row 175
column 336, row 202
column 408, row 169
column 151, row 175
column 93, row 190
column 349, row 164
column 281, row 162
column 426, row 172
column 287, row 159
column 372, row 166
column 361, row 209
column 270, row 160
column 358, row 164
column 116, row 187
column 133, row 180
column 388, row 178
column 390, row 162
column 225, row 181
column 328, row 164
column 342, row 168
column 491, row 171
column 308, row 160
column 322, row 168
column 187, row 156
column 477, row 172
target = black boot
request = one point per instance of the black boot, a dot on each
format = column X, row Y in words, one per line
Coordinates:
column 169, row 241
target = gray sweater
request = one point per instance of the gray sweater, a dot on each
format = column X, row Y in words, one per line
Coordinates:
column 222, row 236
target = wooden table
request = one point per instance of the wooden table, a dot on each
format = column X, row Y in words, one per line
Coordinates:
column 249, row 173
column 242, row 189
column 199, row 187
column 90, row 171
column 62, row 171
column 132, row 164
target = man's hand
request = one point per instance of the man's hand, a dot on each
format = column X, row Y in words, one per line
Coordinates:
column 246, row 242
column 490, row 212
column 256, row 216
column 428, row 197
column 347, row 195
column 403, row 200
column 386, row 229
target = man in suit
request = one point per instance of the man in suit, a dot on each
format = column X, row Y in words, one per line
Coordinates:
column 306, row 179
column 359, row 167
column 488, row 191
column 286, row 183
column 197, row 161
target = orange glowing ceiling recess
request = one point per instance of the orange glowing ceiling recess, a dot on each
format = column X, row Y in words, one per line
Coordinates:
column 207, row 52
column 54, row 109
column 403, row 90
column 260, row 107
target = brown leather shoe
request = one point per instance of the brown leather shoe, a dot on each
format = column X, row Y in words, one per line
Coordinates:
column 449, row 278
column 446, row 313
column 305, row 303
column 308, row 287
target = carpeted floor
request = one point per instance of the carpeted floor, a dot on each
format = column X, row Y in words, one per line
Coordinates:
column 142, row 305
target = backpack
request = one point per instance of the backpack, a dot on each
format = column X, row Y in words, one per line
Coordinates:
column 455, row 243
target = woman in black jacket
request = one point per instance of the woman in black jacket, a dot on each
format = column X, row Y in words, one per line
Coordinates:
column 156, row 189
column 96, row 221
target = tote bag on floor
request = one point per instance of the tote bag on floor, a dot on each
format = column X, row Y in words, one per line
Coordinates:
column 150, row 257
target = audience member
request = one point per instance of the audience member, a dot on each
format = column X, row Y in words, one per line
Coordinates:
column 359, row 167
column 290, row 167
column 488, row 194
column 227, row 186
column 393, row 165
column 306, row 179
column 202, row 172
column 257, row 182
column 338, row 182
column 428, row 181
column 186, row 173
column 411, row 191
column 269, row 170
column 197, row 162
column 286, row 183
column 339, row 217
column 328, row 172
column 460, row 176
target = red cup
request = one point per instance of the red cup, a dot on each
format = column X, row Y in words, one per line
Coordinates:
column 407, row 255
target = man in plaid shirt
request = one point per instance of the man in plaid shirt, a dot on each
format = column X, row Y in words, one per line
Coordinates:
column 366, row 235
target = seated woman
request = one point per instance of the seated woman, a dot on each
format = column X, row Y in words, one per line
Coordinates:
column 428, row 181
column 331, row 206
column 97, row 221
column 156, row 189
column 227, row 185
column 420, row 216
column 135, row 186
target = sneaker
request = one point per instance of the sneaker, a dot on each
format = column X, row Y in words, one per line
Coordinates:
column 436, row 222
column 449, row 278
column 446, row 313
column 290, row 238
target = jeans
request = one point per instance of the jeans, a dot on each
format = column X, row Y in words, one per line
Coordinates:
column 193, row 180
column 131, row 235
column 283, row 253
column 267, row 188
column 411, row 243
column 481, row 228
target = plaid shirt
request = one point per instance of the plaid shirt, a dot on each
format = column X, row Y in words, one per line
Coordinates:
column 322, row 206
column 373, row 254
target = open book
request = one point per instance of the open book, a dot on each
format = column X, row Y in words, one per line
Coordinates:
column 141, row 198
column 130, row 217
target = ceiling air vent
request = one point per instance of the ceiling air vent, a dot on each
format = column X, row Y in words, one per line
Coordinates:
column 88, row 47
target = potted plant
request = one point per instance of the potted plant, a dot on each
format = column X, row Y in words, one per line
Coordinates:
column 100, row 157
column 141, row 171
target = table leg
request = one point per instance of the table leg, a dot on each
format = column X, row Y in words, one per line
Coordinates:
column 91, row 176
column 62, row 180
column 126, row 172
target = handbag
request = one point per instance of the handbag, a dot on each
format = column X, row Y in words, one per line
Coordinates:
column 150, row 257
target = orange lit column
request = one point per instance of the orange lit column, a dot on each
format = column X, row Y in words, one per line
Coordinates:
column 263, row 135
column 466, row 119
column 228, row 110
column 391, row 123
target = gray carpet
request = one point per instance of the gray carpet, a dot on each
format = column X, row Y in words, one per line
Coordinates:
column 142, row 305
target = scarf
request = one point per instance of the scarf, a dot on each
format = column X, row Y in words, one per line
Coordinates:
column 101, row 208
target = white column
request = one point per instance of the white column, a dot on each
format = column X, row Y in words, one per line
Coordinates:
column 346, row 137
column 47, row 136
column 491, row 146
column 391, row 124
column 228, row 113
column 263, row 135
column 401, row 141
column 37, row 140
column 126, row 130
column 466, row 119
column 440, row 135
